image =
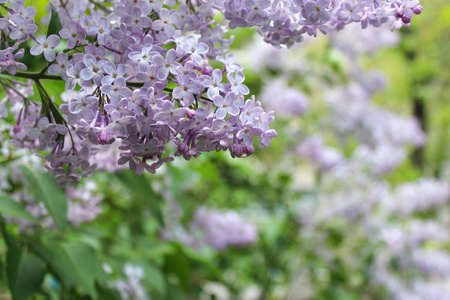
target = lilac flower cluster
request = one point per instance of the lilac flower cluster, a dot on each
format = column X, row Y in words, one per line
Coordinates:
column 131, row 288
column 324, row 157
column 19, row 25
column 408, row 242
column 143, row 80
column 399, row 239
column 224, row 229
column 219, row 230
column 285, row 22
column 292, row 102
column 417, row 196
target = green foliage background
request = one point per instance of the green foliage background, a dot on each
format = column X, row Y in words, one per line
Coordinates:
column 67, row 264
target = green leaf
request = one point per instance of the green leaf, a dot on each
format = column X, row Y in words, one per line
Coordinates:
column 46, row 190
column 178, row 264
column 55, row 22
column 25, row 271
column 155, row 280
column 107, row 293
column 73, row 263
column 30, row 274
column 12, row 208
column 142, row 189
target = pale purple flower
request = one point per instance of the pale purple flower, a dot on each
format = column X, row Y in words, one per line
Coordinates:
column 62, row 62
column 74, row 33
column 101, row 30
column 184, row 16
column 150, row 148
column 237, row 85
column 47, row 46
column 265, row 138
column 186, row 89
column 41, row 131
column 229, row 62
column 93, row 69
column 316, row 11
column 73, row 72
column 166, row 65
column 222, row 127
column 149, row 5
column 351, row 10
column 112, row 72
column 84, row 104
column 143, row 57
column 170, row 114
column 19, row 8
column 247, row 132
column 250, row 112
column 4, row 23
column 23, row 28
column 226, row 105
column 119, row 124
column 258, row 15
column 166, row 21
column 136, row 21
column 7, row 60
column 213, row 83
column 196, row 49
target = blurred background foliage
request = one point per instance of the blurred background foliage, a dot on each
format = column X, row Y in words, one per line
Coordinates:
column 80, row 262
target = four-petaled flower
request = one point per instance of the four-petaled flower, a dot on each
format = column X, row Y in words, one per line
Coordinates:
column 47, row 46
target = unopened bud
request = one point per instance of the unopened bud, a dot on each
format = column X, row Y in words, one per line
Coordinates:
column 191, row 113
column 406, row 20
column 418, row 9
column 249, row 150
column 236, row 150
column 17, row 128
column 183, row 148
column 105, row 138
column 207, row 70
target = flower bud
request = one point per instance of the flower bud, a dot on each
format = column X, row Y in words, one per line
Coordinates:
column 17, row 128
column 191, row 113
column 183, row 148
column 105, row 138
column 406, row 20
column 249, row 150
column 237, row 150
column 207, row 70
column 418, row 9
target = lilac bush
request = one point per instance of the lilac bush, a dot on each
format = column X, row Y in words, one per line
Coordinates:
column 131, row 88
column 143, row 78
column 148, row 81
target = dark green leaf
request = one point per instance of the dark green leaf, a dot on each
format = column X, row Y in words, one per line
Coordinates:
column 46, row 190
column 143, row 190
column 74, row 264
column 12, row 208
column 180, row 266
column 29, row 278
column 154, row 278
column 25, row 271
column 55, row 22
column 107, row 293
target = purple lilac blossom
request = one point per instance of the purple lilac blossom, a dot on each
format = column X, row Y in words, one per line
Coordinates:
column 132, row 90
column 224, row 229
